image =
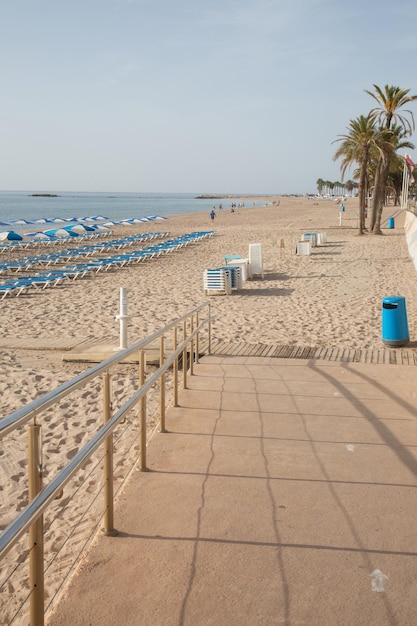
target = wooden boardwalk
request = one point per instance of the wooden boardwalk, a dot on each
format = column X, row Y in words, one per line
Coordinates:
column 390, row 356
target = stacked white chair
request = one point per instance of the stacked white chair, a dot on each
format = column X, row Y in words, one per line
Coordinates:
column 255, row 260
column 303, row 248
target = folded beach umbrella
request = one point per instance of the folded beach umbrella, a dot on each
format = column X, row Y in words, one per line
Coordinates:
column 21, row 222
column 38, row 235
column 79, row 228
column 61, row 233
column 101, row 228
column 10, row 235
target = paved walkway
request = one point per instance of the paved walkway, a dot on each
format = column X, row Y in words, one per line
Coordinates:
column 283, row 493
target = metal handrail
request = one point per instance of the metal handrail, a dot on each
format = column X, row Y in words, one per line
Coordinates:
column 40, row 503
column 23, row 415
column 31, row 517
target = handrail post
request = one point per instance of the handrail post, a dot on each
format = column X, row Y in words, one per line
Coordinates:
column 162, row 428
column 108, row 460
column 197, row 340
column 192, row 346
column 142, row 414
column 36, row 548
column 209, row 329
column 184, row 356
column 175, row 367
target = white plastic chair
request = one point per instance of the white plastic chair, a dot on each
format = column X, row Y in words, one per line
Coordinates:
column 256, row 260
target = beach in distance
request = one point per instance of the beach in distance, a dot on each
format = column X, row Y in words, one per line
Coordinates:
column 331, row 298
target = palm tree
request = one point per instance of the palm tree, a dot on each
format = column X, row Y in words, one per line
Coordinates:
column 320, row 185
column 362, row 138
column 349, row 186
column 390, row 100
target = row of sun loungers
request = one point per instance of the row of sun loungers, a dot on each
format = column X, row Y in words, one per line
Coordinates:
column 50, row 278
column 51, row 241
column 22, row 245
column 68, row 254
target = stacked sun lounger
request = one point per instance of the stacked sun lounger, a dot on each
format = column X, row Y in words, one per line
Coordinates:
column 218, row 281
column 310, row 241
column 235, row 275
column 221, row 280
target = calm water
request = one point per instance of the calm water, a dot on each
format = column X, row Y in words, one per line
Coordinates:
column 18, row 205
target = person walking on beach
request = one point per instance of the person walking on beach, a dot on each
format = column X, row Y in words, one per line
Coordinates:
column 212, row 215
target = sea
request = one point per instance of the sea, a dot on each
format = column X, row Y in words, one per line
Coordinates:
column 28, row 206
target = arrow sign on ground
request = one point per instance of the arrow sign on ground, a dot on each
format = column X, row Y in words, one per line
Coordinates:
column 378, row 579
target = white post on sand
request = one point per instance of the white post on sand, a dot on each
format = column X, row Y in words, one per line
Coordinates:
column 123, row 317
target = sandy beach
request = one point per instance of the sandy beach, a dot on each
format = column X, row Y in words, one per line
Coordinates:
column 331, row 298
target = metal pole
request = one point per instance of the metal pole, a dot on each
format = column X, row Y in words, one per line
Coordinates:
column 108, row 460
column 404, row 191
column 402, row 188
column 162, row 428
column 36, row 551
column 175, row 368
column 123, row 317
column 142, row 414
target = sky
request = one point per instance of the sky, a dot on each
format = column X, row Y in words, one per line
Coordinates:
column 205, row 96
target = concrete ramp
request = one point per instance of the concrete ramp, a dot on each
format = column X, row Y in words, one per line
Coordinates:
column 283, row 493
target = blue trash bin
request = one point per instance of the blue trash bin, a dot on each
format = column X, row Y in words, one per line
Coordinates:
column 394, row 322
column 391, row 222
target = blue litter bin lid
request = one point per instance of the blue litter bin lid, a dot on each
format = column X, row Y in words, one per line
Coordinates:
column 393, row 300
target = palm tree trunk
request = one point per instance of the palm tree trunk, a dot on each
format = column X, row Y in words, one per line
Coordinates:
column 381, row 195
column 375, row 196
column 362, row 192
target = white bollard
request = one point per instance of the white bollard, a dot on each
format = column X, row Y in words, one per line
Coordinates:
column 123, row 317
